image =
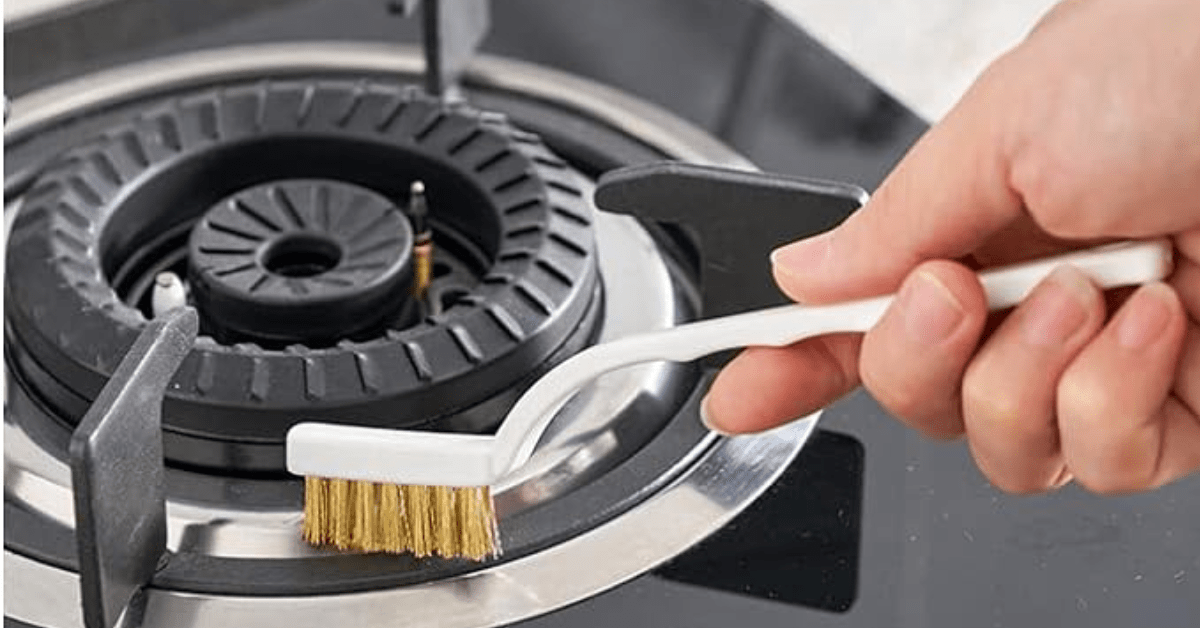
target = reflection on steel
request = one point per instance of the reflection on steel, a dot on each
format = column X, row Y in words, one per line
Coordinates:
column 720, row 484
column 653, row 126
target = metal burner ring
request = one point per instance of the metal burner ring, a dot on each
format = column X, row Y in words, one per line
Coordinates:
column 706, row 491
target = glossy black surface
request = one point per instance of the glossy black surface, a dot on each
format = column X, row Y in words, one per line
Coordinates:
column 799, row 543
column 937, row 546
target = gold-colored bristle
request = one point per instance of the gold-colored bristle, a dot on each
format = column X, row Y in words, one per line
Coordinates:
column 444, row 541
column 392, row 524
column 450, row 522
column 316, row 515
column 340, row 514
column 366, row 517
column 477, row 521
column 418, row 506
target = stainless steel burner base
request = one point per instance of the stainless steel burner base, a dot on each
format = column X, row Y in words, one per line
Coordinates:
column 701, row 491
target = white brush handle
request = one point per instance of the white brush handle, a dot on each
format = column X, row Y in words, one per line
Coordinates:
column 1109, row 266
column 425, row 458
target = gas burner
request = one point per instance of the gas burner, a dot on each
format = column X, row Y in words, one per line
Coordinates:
column 300, row 262
column 274, row 181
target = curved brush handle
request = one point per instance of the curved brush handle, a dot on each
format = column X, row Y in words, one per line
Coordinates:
column 431, row 458
column 1109, row 266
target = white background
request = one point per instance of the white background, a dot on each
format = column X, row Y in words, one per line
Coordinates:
column 925, row 52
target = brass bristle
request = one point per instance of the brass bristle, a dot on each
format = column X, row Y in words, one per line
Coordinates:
column 450, row 522
column 392, row 524
column 444, row 541
column 366, row 503
column 316, row 514
column 340, row 514
column 475, row 515
column 418, row 503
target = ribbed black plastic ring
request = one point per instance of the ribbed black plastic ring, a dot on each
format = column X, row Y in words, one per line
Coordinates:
column 527, row 213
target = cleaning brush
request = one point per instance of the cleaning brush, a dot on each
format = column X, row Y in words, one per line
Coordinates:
column 429, row 493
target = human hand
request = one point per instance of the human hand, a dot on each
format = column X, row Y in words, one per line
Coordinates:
column 1088, row 131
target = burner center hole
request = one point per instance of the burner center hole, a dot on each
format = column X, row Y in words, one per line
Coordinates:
column 302, row 255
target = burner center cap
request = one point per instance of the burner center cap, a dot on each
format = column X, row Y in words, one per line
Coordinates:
column 301, row 261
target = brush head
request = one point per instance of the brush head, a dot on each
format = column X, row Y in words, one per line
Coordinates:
column 390, row 456
column 451, row 522
column 373, row 490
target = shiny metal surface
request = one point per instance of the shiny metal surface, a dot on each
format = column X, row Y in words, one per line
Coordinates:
column 637, row 289
column 709, row 494
column 600, row 425
column 20, row 12
column 714, row 482
column 637, row 118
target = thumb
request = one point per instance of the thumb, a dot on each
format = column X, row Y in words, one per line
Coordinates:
column 947, row 195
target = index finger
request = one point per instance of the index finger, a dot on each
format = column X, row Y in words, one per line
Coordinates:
column 945, row 198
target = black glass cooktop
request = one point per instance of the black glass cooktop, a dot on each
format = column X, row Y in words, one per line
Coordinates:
column 872, row 525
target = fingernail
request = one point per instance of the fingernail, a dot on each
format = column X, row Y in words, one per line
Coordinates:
column 1064, row 478
column 706, row 418
column 1144, row 316
column 930, row 311
column 805, row 256
column 1058, row 308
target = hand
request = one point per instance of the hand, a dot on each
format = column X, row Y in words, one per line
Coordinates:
column 1088, row 131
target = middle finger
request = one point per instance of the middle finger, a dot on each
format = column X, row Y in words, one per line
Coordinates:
column 1009, row 389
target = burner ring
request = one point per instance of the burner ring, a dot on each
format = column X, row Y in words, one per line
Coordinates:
column 522, row 217
column 306, row 262
column 714, row 486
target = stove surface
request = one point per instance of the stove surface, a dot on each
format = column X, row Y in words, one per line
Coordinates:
column 871, row 524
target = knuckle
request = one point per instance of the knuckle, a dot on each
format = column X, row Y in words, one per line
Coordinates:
column 1118, row 465
column 1047, row 181
column 1109, row 456
column 1030, row 176
column 1084, row 400
column 1010, row 473
column 995, row 404
column 981, row 398
column 1051, row 191
column 920, row 411
column 1054, row 212
column 926, row 413
column 904, row 401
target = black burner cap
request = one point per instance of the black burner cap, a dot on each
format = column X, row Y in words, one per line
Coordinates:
column 301, row 261
column 109, row 215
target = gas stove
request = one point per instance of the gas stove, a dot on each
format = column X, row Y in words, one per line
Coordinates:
column 257, row 161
